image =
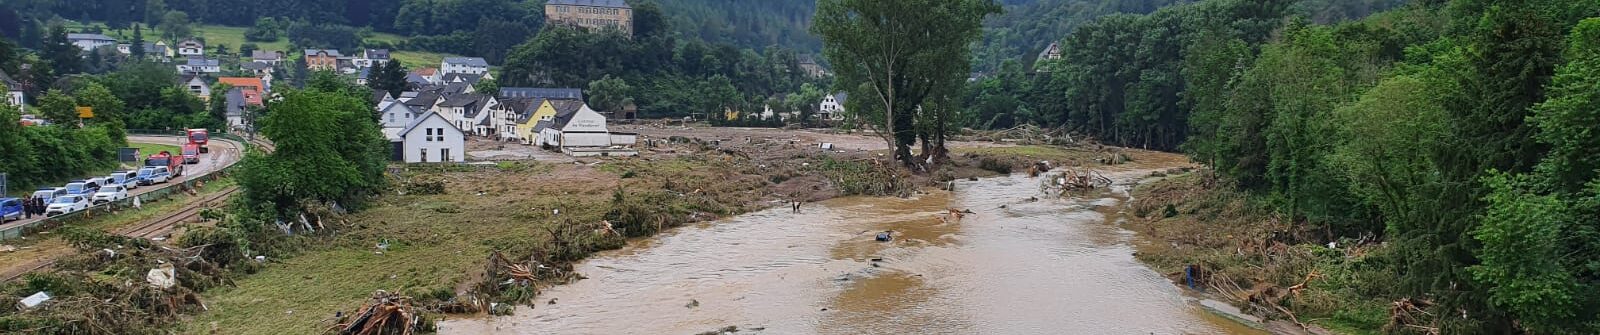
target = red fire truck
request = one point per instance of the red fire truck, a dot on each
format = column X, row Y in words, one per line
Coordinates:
column 198, row 137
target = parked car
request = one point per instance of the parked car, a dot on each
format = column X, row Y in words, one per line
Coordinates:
column 153, row 175
column 81, row 187
column 50, row 193
column 109, row 194
column 10, row 209
column 66, row 204
column 128, row 179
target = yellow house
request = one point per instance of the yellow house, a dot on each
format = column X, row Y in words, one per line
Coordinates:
column 730, row 114
column 542, row 111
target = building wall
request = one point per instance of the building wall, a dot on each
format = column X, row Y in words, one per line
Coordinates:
column 16, row 98
column 449, row 147
column 591, row 17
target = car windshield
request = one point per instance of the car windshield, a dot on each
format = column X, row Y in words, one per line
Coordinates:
column 119, row 178
column 66, row 200
column 197, row 136
column 156, row 162
column 74, row 187
column 189, row 151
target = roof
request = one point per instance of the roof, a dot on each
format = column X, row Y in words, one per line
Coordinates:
column 92, row 37
column 416, row 79
column 545, row 93
column 242, row 82
column 419, row 120
column 380, row 96
column 591, row 3
column 191, row 41
column 454, row 88
column 470, row 79
column 425, row 72
column 155, row 48
column 196, row 61
column 236, row 102
column 330, row 52
column 376, row 53
column 264, row 55
column 459, row 100
column 565, row 110
column 11, row 85
column 522, row 107
column 365, row 73
column 541, row 126
column 840, row 97
column 424, row 99
column 255, row 66
column 467, row 61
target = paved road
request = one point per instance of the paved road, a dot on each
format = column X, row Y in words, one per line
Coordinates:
column 223, row 153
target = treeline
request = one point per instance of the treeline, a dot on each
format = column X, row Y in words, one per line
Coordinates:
column 663, row 75
column 1461, row 132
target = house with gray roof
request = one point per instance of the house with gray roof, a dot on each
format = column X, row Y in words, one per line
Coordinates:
column 542, row 93
column 89, row 42
column 465, row 65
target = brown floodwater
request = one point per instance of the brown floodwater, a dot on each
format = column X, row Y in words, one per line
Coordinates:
column 1052, row 266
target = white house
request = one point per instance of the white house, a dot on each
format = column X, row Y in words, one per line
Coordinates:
column 395, row 116
column 14, row 95
column 89, row 42
column 271, row 58
column 200, row 65
column 191, row 47
column 832, row 106
column 372, row 57
column 463, row 65
column 195, row 85
column 432, row 139
column 583, row 128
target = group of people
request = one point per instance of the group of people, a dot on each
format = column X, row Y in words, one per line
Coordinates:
column 34, row 206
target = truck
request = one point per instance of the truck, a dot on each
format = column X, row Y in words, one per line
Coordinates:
column 198, row 137
column 165, row 159
column 191, row 153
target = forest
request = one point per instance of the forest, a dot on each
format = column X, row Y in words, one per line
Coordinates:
column 1462, row 132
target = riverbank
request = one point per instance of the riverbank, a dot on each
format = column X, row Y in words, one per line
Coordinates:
column 433, row 235
column 1254, row 259
column 1015, row 264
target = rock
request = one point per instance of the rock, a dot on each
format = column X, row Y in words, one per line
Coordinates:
column 692, row 303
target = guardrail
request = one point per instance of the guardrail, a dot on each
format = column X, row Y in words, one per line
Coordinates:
column 108, row 208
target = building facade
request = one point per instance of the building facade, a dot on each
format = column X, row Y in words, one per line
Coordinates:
column 592, row 14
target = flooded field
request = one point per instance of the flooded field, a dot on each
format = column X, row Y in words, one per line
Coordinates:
column 1015, row 266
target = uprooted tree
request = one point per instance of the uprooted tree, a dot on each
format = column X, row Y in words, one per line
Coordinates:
column 900, row 57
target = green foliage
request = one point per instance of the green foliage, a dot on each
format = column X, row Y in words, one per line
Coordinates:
column 328, row 149
column 920, row 57
column 664, row 81
column 1521, row 267
column 391, row 77
column 175, row 26
column 266, row 29
column 610, row 94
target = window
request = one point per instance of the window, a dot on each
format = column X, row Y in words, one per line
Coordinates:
column 444, row 155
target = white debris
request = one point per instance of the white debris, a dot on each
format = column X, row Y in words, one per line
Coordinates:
column 35, row 299
column 164, row 276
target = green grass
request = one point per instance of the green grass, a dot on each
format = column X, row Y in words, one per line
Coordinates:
column 419, row 59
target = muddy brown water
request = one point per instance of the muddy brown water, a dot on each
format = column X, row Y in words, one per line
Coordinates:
column 1052, row 266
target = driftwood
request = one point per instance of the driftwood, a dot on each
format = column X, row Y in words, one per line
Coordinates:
column 383, row 314
column 1074, row 180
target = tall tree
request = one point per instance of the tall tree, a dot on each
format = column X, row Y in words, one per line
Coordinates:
column 904, row 50
column 390, row 77
column 175, row 26
column 64, row 57
column 609, row 94
column 136, row 49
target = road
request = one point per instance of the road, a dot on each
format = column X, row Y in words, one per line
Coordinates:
column 223, row 153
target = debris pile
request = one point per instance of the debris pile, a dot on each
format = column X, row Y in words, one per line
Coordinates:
column 383, row 314
column 1074, row 180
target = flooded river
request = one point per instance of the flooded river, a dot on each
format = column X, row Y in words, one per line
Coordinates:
column 1052, row 266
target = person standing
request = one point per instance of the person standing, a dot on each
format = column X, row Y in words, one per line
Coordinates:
column 27, row 208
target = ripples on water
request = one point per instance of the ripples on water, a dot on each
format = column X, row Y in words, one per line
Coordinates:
column 1051, row 266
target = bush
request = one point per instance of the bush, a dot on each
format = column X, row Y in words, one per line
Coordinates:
column 995, row 164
